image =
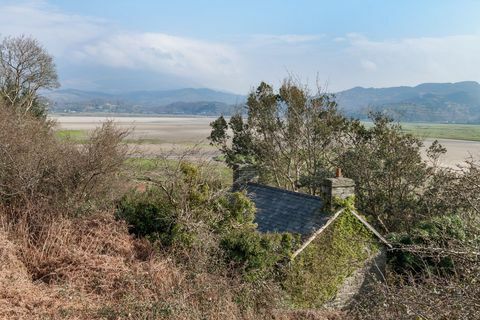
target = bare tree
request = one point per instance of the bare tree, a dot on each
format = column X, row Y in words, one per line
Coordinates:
column 25, row 68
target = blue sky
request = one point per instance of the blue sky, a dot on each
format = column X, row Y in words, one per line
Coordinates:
column 233, row 45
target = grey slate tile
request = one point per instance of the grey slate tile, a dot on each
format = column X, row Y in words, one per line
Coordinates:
column 281, row 210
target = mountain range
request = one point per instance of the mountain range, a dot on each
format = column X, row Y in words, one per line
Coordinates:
column 181, row 101
column 428, row 102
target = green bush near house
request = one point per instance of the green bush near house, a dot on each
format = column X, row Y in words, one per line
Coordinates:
column 440, row 232
column 258, row 255
column 149, row 215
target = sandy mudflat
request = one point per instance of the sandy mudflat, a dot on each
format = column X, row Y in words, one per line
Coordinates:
column 163, row 129
column 170, row 131
column 457, row 150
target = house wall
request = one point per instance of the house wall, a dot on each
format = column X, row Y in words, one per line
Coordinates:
column 358, row 282
column 326, row 268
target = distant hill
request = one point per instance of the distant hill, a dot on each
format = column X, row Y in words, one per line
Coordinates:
column 429, row 102
column 181, row 101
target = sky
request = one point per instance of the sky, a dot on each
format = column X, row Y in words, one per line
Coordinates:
column 120, row 45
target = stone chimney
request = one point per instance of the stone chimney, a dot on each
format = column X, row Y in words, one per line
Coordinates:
column 338, row 187
column 243, row 174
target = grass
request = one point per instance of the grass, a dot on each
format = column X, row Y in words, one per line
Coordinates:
column 470, row 132
column 142, row 166
column 76, row 135
column 444, row 131
column 82, row 135
column 183, row 143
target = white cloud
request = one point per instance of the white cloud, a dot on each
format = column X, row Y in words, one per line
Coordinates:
column 58, row 31
column 416, row 60
column 356, row 60
column 214, row 63
column 77, row 40
column 113, row 55
column 368, row 65
column 286, row 38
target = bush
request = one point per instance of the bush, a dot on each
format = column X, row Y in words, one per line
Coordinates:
column 437, row 232
column 184, row 208
column 148, row 215
column 39, row 171
column 258, row 255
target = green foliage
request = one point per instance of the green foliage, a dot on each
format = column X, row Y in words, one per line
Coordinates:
column 317, row 273
column 39, row 108
column 239, row 210
column 148, row 214
column 257, row 254
column 241, row 149
column 288, row 135
column 437, row 232
column 389, row 172
column 158, row 212
column 185, row 203
column 348, row 203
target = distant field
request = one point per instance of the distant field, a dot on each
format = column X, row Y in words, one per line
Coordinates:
column 76, row 135
column 470, row 132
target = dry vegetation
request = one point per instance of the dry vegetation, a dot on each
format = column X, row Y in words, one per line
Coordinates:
column 63, row 255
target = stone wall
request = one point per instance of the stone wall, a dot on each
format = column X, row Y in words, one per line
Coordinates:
column 373, row 271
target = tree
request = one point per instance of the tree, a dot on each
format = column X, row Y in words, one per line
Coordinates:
column 25, row 68
column 389, row 172
column 291, row 136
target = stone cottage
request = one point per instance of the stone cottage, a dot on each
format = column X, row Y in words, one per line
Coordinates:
column 311, row 217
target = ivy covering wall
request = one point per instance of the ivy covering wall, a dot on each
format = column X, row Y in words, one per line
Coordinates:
column 316, row 274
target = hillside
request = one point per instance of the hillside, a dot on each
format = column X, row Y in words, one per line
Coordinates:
column 182, row 101
column 429, row 102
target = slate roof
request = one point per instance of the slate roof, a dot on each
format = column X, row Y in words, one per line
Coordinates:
column 280, row 210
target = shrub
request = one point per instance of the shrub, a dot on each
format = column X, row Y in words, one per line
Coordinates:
column 183, row 205
column 238, row 210
column 39, row 171
column 437, row 232
column 150, row 215
column 258, row 255
column 389, row 172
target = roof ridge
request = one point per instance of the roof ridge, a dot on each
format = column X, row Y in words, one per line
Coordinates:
column 331, row 220
column 300, row 194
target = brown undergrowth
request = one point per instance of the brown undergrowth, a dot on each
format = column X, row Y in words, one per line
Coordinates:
column 91, row 268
